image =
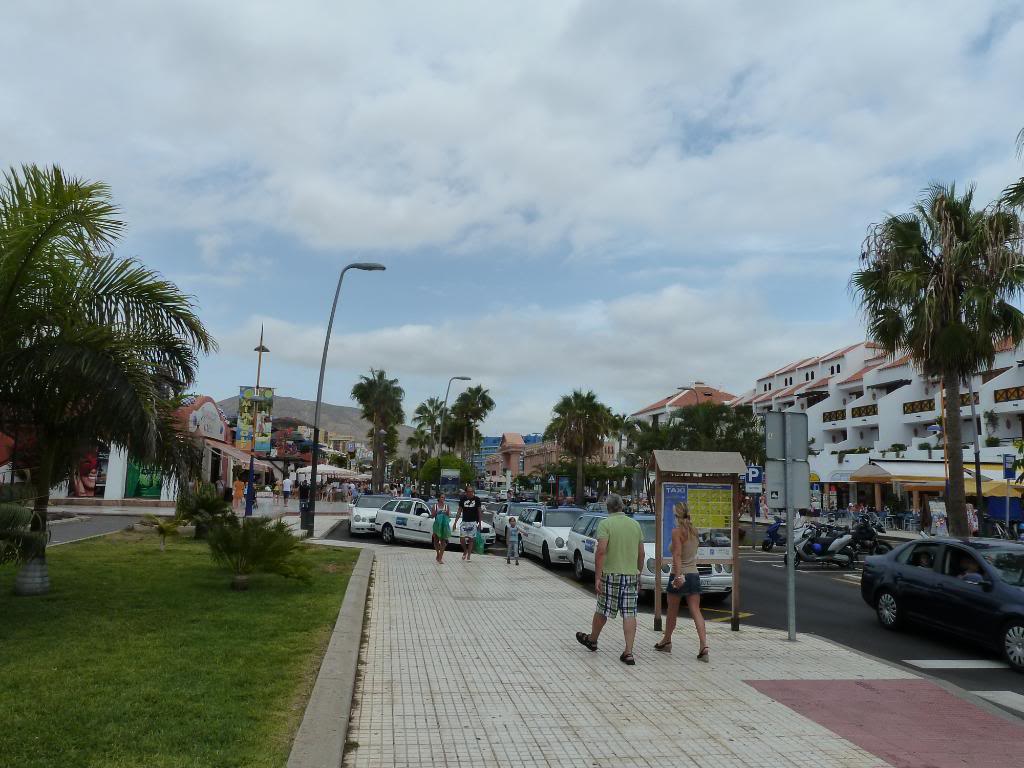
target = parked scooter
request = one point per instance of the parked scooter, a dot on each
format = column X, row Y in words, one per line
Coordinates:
column 775, row 535
column 865, row 536
column 826, row 545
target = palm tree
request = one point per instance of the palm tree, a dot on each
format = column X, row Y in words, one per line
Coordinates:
column 421, row 443
column 579, row 423
column 427, row 416
column 471, row 407
column 622, row 427
column 92, row 347
column 938, row 284
column 380, row 399
column 1013, row 195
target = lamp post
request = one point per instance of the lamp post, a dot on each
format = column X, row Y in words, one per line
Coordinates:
column 250, row 496
column 307, row 523
column 440, row 432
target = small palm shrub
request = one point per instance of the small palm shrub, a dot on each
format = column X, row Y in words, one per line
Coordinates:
column 257, row 545
column 164, row 527
column 203, row 508
column 18, row 544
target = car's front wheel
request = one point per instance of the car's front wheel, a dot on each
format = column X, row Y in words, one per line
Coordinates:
column 887, row 608
column 1013, row 644
column 577, row 567
column 388, row 534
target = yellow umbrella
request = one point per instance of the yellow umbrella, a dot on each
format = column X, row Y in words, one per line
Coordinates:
column 998, row 488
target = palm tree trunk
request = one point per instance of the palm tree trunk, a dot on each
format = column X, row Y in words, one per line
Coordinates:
column 956, row 510
column 579, row 479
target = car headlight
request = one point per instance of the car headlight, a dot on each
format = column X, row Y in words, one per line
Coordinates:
column 650, row 564
column 666, row 568
column 356, row 519
column 559, row 542
column 717, row 568
column 727, row 569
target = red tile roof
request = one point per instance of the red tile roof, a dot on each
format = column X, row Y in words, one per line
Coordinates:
column 896, row 363
column 689, row 396
column 820, row 384
column 859, row 375
column 839, row 352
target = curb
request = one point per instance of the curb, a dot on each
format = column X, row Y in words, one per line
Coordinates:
column 953, row 688
column 320, row 741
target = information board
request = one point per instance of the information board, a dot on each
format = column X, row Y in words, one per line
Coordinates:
column 710, row 508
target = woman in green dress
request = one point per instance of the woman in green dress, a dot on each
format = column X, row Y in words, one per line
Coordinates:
column 442, row 530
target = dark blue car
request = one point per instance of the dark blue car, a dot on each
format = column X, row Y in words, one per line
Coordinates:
column 970, row 587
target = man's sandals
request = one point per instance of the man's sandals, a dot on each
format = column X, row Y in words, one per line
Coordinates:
column 584, row 639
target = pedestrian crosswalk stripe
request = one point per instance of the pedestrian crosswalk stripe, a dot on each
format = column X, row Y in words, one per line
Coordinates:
column 956, row 663
column 1007, row 699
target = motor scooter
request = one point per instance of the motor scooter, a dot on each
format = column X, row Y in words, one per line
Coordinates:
column 775, row 535
column 826, row 545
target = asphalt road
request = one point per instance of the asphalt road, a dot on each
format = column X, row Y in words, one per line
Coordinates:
column 88, row 526
column 829, row 605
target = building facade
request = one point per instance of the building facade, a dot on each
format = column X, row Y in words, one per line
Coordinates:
column 864, row 407
column 661, row 411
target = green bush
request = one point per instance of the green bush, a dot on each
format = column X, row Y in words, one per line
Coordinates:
column 203, row 508
column 257, row 545
column 17, row 542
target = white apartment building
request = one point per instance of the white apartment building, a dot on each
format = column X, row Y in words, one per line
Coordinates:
column 865, row 408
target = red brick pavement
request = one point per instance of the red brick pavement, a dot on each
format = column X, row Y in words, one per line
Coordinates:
column 907, row 723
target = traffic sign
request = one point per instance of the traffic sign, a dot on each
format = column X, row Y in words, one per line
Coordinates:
column 788, row 484
column 755, row 478
column 1008, row 469
column 551, row 479
column 785, row 435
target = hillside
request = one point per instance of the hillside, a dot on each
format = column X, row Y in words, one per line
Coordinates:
column 336, row 419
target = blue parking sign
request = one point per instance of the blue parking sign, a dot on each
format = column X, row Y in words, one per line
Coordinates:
column 755, row 477
column 1008, row 469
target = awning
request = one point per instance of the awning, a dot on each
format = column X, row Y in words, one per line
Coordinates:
column 998, row 488
column 236, row 453
column 882, row 471
column 329, row 470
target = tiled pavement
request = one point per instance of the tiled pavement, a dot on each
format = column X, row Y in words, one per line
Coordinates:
column 476, row 664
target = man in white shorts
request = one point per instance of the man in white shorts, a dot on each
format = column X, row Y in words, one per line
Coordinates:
column 470, row 510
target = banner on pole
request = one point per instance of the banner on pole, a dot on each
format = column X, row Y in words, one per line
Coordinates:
column 255, row 420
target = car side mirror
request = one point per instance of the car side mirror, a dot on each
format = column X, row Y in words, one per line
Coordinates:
column 536, row 525
column 977, row 579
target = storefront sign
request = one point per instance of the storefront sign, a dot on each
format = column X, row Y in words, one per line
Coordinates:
column 255, row 422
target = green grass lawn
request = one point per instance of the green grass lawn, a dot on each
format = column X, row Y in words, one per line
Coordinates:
column 147, row 659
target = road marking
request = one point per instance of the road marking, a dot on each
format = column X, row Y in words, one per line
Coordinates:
column 1007, row 699
column 729, row 618
column 956, row 663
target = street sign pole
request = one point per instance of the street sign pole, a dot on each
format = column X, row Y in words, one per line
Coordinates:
column 790, row 551
column 1008, row 473
column 755, row 507
column 786, row 454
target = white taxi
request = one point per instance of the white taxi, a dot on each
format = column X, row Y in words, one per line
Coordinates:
column 506, row 510
column 364, row 512
column 544, row 531
column 408, row 519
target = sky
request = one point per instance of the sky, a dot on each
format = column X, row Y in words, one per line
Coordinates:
column 623, row 197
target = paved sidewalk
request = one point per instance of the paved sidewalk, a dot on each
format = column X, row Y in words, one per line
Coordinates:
column 476, row 664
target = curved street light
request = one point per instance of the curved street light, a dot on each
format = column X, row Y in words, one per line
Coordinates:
column 440, row 432
column 365, row 266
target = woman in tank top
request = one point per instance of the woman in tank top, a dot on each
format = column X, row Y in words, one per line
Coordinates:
column 684, row 581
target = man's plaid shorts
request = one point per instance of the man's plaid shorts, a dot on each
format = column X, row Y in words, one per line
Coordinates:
column 620, row 593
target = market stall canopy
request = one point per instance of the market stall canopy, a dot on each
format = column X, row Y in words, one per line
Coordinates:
column 881, row 471
column 329, row 470
column 998, row 488
column 237, row 454
column 700, row 462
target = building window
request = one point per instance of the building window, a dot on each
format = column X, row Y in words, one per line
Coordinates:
column 812, row 375
column 831, row 370
column 838, row 369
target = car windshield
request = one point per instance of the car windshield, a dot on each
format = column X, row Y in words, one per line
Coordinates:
column 1009, row 563
column 647, row 526
column 372, row 501
column 560, row 518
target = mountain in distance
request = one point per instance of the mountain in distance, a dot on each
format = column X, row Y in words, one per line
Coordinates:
column 336, row 419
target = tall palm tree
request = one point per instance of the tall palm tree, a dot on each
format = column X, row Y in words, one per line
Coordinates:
column 92, row 347
column 471, row 407
column 421, row 443
column 579, row 423
column 380, row 399
column 938, row 283
column 622, row 427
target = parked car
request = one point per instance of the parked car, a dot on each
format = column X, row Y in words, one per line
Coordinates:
column 715, row 578
column 410, row 520
column 582, row 543
column 973, row 588
column 506, row 510
column 364, row 512
column 543, row 532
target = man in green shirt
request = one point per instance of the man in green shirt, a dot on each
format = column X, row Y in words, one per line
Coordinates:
column 619, row 558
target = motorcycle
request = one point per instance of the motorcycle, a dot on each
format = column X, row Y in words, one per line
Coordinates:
column 826, row 545
column 865, row 536
column 775, row 535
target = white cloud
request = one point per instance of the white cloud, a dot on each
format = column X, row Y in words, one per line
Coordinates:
column 631, row 350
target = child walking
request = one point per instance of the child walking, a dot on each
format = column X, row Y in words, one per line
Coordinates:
column 513, row 542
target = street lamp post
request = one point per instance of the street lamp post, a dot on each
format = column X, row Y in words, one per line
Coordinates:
column 250, row 497
column 307, row 523
column 440, row 432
